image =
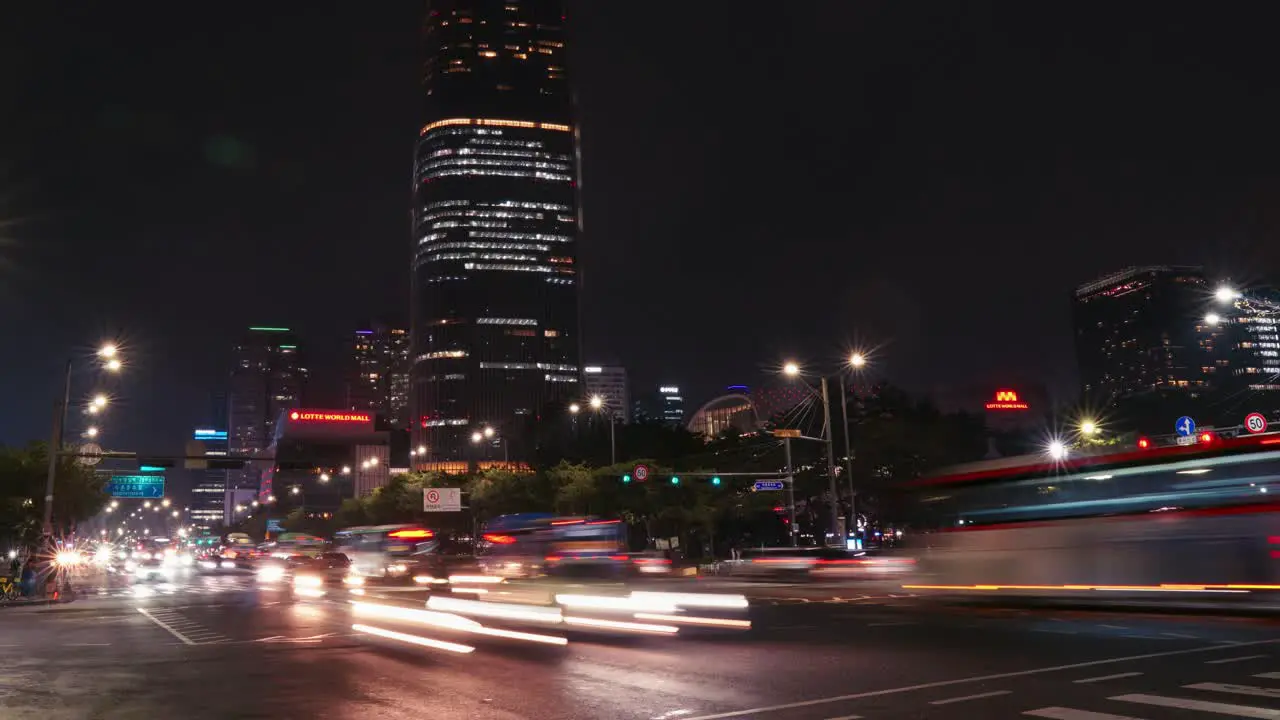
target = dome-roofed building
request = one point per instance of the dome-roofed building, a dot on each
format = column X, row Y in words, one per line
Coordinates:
column 732, row 411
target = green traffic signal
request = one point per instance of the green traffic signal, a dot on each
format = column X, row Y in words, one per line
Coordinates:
column 715, row 481
column 675, row 480
column 626, row 478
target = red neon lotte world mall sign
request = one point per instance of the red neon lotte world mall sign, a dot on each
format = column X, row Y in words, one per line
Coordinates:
column 1007, row 400
column 329, row 416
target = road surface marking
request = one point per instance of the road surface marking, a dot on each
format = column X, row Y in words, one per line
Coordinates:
column 963, row 698
column 847, row 717
column 976, row 678
column 1113, row 627
column 1235, row 689
column 85, row 644
column 891, row 624
column 1234, row 659
column 1180, row 635
column 1061, row 713
column 1117, row 676
column 1268, row 676
column 1245, row 711
column 165, row 625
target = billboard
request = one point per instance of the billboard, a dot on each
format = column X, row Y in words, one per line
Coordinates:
column 1007, row 400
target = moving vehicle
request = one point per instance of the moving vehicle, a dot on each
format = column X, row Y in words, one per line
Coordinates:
column 393, row 554
column 1194, row 517
column 537, row 544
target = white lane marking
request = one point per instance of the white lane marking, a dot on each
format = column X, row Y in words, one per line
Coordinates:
column 847, row 717
column 891, row 624
column 85, row 644
column 976, row 678
column 963, row 698
column 1113, row 627
column 1062, row 713
column 1234, row 659
column 1245, row 711
column 1235, row 689
column 1268, row 676
column 165, row 625
column 1180, row 635
column 1117, row 676
column 1069, row 714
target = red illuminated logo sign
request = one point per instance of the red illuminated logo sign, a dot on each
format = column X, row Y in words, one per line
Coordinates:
column 329, row 416
column 1007, row 400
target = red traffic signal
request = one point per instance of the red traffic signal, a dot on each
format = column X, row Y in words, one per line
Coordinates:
column 1143, row 443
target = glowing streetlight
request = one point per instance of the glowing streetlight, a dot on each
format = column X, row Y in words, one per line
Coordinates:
column 1056, row 450
column 596, row 402
column 857, row 360
column 791, row 369
column 422, row 449
column 574, row 408
column 346, row 469
column 373, row 461
column 324, row 477
column 488, row 432
column 113, row 365
column 476, row 436
column 107, row 351
column 115, row 504
column 165, row 502
column 146, row 504
column 1212, row 319
column 254, row 503
column 99, row 401
column 1088, row 428
column 295, row 490
column 174, row 513
column 1225, row 294
column 91, row 432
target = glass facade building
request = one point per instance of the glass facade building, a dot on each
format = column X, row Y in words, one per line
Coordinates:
column 495, row 225
column 379, row 381
column 267, row 378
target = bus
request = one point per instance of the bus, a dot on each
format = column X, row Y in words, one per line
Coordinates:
column 396, row 554
column 537, row 544
column 1199, row 518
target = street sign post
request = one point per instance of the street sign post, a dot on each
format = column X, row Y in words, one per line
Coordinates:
column 147, row 487
column 641, row 472
column 442, row 499
column 1185, row 426
column 90, row 454
column 1255, row 423
column 768, row 485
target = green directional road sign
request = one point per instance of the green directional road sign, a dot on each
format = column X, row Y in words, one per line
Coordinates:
column 149, row 487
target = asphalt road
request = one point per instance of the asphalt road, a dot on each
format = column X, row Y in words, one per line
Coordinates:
column 219, row 647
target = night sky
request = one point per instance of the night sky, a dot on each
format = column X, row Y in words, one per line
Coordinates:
column 760, row 180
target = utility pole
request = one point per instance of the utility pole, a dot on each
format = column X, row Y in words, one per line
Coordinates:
column 791, row 491
column 831, row 461
column 848, row 458
column 55, row 446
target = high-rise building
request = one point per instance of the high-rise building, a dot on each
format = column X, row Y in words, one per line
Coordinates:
column 1137, row 331
column 268, row 377
column 379, row 381
column 664, row 405
column 1161, row 342
column 610, row 383
column 495, row 224
column 208, row 485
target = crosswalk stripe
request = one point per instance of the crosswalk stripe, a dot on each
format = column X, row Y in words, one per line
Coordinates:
column 1063, row 713
column 1268, row 676
column 1245, row 711
column 1235, row 689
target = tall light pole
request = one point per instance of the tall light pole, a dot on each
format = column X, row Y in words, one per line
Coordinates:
column 597, row 404
column 857, row 361
column 111, row 361
column 792, row 369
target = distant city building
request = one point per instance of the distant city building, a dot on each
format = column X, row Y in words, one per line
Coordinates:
column 1161, row 341
column 495, row 225
column 665, row 404
column 610, row 383
column 1138, row 330
column 318, row 458
column 379, row 381
column 267, row 378
column 734, row 411
column 208, row 486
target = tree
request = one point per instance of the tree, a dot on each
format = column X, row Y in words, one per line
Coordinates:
column 79, row 493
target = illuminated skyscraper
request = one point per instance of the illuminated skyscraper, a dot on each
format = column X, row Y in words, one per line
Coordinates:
column 495, row 224
column 267, row 378
column 379, row 381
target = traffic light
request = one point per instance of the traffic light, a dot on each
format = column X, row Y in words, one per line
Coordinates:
column 715, row 480
column 675, row 480
column 626, row 479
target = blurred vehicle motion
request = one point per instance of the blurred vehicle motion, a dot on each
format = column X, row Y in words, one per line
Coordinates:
column 830, row 563
column 1195, row 518
column 529, row 545
column 396, row 554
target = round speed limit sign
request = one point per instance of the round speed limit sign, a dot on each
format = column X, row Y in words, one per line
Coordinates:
column 641, row 472
column 1255, row 423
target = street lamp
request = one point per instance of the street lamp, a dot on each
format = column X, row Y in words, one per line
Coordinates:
column 91, row 432
column 1056, row 450
column 1088, row 428
column 1212, row 319
column 165, row 502
column 146, row 504
column 346, row 469
column 295, row 490
column 791, row 369
column 488, row 432
column 422, row 449
column 476, row 437
column 1225, row 294
column 574, row 408
column 99, row 401
column 324, row 477
column 597, row 403
column 174, row 513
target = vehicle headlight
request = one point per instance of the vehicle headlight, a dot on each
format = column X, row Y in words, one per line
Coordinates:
column 270, row 574
column 354, row 580
column 310, row 581
column 397, row 569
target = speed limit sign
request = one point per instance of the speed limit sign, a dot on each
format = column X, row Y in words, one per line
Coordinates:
column 1255, row 423
column 641, row 472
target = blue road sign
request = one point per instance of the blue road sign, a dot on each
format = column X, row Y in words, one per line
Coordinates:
column 1185, row 427
column 768, row 485
column 149, row 487
column 275, row 525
